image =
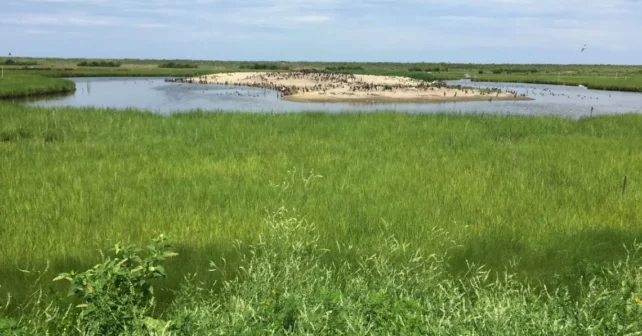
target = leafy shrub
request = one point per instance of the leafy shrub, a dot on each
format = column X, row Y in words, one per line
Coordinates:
column 513, row 71
column 105, row 64
column 116, row 294
column 263, row 66
column 7, row 326
column 14, row 62
column 173, row 65
column 345, row 68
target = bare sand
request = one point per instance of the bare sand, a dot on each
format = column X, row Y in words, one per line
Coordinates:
column 325, row 87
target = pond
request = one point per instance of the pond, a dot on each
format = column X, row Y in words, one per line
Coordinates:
column 158, row 96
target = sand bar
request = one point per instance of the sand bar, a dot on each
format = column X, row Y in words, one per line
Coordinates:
column 328, row 87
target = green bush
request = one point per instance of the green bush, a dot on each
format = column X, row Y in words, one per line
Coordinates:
column 515, row 71
column 173, row 65
column 116, row 294
column 345, row 68
column 105, row 64
column 263, row 66
column 14, row 62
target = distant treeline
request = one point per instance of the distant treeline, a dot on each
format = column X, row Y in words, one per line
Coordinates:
column 344, row 68
column 173, row 65
column 508, row 71
column 435, row 69
column 14, row 62
column 105, row 64
column 262, row 66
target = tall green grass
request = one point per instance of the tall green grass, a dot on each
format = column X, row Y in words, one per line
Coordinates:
column 20, row 84
column 78, row 180
column 611, row 81
column 282, row 286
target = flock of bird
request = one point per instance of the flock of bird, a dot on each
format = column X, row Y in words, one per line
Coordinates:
column 322, row 82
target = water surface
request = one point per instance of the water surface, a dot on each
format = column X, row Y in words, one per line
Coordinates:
column 154, row 94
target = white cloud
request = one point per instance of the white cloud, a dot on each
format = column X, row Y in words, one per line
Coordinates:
column 43, row 20
column 150, row 25
column 38, row 32
column 310, row 18
column 391, row 27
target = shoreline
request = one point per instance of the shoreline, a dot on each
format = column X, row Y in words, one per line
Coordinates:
column 393, row 100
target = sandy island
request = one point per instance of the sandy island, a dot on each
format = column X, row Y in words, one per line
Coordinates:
column 329, row 87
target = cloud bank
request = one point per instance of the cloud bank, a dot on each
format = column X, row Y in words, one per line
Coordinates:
column 492, row 31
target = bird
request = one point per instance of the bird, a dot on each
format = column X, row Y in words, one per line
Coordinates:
column 584, row 48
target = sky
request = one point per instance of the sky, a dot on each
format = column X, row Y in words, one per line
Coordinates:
column 456, row 31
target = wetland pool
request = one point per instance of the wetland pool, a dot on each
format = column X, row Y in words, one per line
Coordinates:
column 158, row 96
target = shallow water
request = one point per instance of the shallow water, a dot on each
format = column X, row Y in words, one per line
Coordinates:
column 154, row 94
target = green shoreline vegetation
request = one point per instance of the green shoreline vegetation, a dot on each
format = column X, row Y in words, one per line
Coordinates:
column 101, row 64
column 602, row 77
column 22, row 84
column 540, row 198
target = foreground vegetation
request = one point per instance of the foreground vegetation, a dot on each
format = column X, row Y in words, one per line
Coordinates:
column 282, row 287
column 543, row 193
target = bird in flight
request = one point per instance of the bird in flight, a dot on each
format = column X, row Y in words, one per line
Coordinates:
column 584, row 48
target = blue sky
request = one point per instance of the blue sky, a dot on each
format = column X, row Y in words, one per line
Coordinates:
column 489, row 31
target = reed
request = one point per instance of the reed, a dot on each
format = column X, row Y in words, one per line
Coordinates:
column 78, row 180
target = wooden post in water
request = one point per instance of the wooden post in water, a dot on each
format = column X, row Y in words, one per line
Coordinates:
column 624, row 186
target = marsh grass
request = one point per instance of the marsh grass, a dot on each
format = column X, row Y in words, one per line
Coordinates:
column 173, row 65
column 612, row 82
column 20, row 84
column 78, row 180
